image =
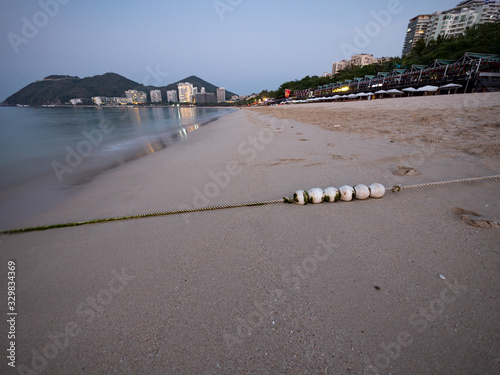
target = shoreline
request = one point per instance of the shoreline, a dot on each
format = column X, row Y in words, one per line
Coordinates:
column 14, row 202
column 324, row 287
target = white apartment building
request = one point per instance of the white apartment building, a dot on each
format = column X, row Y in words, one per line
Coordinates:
column 155, row 96
column 356, row 60
column 467, row 13
column 221, row 94
column 185, row 90
column 172, row 96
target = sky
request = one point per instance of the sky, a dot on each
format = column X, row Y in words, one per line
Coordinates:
column 244, row 45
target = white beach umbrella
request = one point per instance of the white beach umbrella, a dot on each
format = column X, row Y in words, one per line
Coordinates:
column 370, row 94
column 395, row 91
column 428, row 88
column 410, row 89
column 352, row 96
column 451, row 86
column 381, row 92
column 362, row 94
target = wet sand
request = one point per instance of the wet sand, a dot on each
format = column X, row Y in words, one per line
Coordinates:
column 335, row 288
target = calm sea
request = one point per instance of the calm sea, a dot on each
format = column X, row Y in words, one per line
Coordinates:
column 46, row 153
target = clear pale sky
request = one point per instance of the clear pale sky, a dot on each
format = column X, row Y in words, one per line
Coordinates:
column 244, row 45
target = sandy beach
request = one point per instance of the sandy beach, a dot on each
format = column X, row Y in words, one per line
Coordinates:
column 398, row 285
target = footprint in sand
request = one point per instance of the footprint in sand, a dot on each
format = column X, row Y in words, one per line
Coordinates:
column 406, row 171
column 475, row 220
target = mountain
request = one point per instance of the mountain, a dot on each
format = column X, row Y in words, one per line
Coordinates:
column 59, row 89
column 197, row 82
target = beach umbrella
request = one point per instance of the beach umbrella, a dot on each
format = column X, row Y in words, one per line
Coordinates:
column 411, row 90
column 362, row 94
column 451, row 86
column 370, row 94
column 352, row 96
column 428, row 88
column 395, row 92
column 381, row 92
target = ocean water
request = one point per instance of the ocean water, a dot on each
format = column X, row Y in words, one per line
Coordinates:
column 48, row 153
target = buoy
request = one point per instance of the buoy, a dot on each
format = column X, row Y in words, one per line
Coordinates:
column 347, row 193
column 301, row 197
column 362, row 191
column 332, row 194
column 376, row 190
column 316, row 195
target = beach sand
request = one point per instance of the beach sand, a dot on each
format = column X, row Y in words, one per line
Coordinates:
column 335, row 288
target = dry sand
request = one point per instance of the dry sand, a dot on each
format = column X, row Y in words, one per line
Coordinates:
column 337, row 288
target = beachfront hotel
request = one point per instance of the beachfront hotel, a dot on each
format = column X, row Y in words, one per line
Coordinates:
column 185, row 90
column 155, row 96
column 451, row 22
column 417, row 30
column 172, row 96
column 466, row 14
column 135, row 97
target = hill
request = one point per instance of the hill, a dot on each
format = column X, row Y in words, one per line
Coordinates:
column 197, row 82
column 59, row 89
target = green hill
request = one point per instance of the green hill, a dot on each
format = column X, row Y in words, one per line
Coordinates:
column 59, row 89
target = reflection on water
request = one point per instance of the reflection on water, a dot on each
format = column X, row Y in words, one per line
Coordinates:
column 146, row 141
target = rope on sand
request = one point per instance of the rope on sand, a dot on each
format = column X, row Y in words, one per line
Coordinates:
column 396, row 188
column 315, row 195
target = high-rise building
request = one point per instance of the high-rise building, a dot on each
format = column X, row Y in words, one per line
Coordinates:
column 155, row 96
column 134, row 96
column 221, row 94
column 172, row 96
column 454, row 21
column 185, row 90
column 417, row 30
